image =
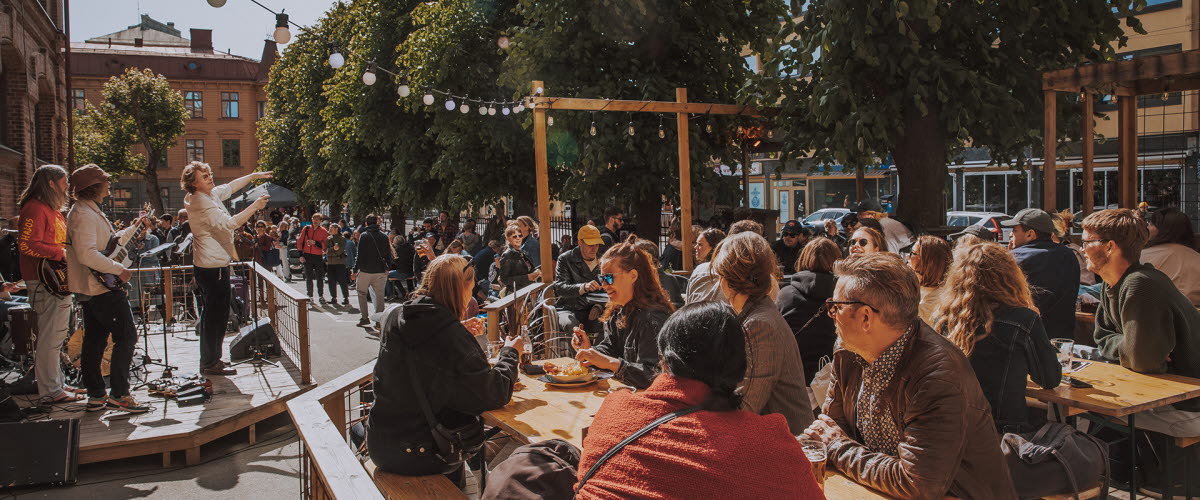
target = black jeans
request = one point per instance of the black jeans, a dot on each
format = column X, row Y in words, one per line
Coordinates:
column 105, row 315
column 338, row 276
column 314, row 270
column 213, row 283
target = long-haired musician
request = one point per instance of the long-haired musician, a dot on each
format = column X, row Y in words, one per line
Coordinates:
column 43, row 237
column 105, row 311
column 212, row 251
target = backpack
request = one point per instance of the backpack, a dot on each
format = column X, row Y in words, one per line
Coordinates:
column 1055, row 460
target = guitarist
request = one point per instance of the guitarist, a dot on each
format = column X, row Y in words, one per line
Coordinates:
column 105, row 312
column 212, row 250
column 43, row 236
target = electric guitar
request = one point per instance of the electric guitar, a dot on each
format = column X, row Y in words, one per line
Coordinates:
column 53, row 274
column 119, row 248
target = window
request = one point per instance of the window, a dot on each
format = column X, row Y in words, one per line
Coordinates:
column 195, row 150
column 262, row 109
column 193, row 100
column 78, row 99
column 229, row 105
column 231, row 153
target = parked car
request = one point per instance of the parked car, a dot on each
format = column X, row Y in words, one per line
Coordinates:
column 816, row 220
column 989, row 220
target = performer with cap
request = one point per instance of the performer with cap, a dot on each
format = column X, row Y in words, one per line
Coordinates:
column 575, row 277
column 212, row 250
column 105, row 312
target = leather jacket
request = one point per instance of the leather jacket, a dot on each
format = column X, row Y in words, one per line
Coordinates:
column 570, row 275
column 948, row 443
column 515, row 268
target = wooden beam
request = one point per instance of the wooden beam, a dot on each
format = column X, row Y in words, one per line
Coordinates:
column 577, row 104
column 685, row 180
column 1127, row 151
column 1177, row 65
column 1049, row 157
column 543, row 188
column 860, row 183
column 1089, row 155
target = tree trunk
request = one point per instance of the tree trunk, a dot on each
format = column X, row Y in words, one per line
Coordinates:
column 152, row 187
column 920, row 155
column 397, row 218
column 648, row 210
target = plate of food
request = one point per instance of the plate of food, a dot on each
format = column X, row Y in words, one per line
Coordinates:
column 568, row 374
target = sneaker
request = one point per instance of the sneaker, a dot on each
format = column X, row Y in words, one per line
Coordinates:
column 97, row 404
column 127, row 404
column 322, row 300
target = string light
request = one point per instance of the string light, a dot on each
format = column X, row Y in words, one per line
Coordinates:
column 506, row 111
column 482, row 110
column 368, row 77
column 491, row 109
column 662, row 134
column 336, row 59
column 217, row 3
column 428, row 99
column 465, row 108
column 770, row 134
column 592, row 130
column 404, row 91
column 282, row 35
column 549, row 120
column 449, row 104
column 631, row 130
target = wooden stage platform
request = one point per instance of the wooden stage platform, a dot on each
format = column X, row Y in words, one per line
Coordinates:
column 238, row 402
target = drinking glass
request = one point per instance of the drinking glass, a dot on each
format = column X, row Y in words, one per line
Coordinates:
column 493, row 350
column 1064, row 347
column 814, row 451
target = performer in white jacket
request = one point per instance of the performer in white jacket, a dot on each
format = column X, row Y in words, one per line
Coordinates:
column 212, row 251
column 105, row 311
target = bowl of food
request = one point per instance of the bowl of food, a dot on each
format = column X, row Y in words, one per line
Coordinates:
column 569, row 373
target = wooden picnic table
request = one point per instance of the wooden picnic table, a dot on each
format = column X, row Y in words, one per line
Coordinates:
column 538, row 412
column 838, row 486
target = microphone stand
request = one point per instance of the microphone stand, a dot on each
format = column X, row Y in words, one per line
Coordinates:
column 257, row 359
column 168, row 369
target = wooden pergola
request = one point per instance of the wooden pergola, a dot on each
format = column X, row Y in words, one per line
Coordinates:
column 1127, row 80
column 681, row 107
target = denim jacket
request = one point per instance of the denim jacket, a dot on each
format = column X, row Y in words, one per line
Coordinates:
column 1016, row 349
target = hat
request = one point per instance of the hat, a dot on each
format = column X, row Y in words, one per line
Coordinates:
column 981, row 232
column 792, row 227
column 1032, row 218
column 86, row 176
column 589, row 235
column 868, row 205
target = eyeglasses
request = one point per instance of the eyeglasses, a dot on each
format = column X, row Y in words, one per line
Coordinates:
column 834, row 307
column 861, row 242
column 1098, row 240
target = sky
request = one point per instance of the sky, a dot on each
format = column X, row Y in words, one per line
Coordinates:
column 239, row 27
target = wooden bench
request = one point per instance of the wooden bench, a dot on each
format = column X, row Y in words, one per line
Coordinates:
column 397, row 487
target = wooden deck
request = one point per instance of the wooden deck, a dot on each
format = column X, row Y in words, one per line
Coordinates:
column 238, row 402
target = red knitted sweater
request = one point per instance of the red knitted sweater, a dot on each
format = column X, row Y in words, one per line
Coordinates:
column 707, row 454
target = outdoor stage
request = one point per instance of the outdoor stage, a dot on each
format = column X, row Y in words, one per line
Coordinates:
column 238, row 402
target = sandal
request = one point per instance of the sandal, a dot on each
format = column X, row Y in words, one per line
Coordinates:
column 62, row 397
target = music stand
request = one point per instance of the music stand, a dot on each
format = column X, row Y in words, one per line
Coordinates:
column 257, row 359
column 168, row 370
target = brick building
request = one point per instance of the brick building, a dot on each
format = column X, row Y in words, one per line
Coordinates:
column 33, row 124
column 223, row 92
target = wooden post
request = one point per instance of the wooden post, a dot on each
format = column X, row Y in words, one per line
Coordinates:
column 272, row 307
column 1049, row 167
column 685, row 182
column 543, row 187
column 1089, row 153
column 169, row 300
column 305, row 354
column 1127, row 153
column 860, row 183
column 745, row 175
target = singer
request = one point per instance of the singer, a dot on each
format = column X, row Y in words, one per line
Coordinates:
column 212, row 251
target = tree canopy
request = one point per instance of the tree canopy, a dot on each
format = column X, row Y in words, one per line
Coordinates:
column 917, row 80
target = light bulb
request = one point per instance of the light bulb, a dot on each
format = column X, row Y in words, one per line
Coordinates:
column 1166, row 96
column 708, row 128
column 630, row 129
column 282, row 35
column 593, row 129
column 217, row 3
column 502, row 42
column 404, row 91
column 368, row 78
column 662, row 134
column 550, row 121
column 505, row 111
column 449, row 104
column 491, row 111
column 336, row 60
column 465, row 108
column 428, row 99
column 770, row 134
column 482, row 110
column 519, row 108
column 539, row 91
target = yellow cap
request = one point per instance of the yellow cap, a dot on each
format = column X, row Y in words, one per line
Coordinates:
column 589, row 235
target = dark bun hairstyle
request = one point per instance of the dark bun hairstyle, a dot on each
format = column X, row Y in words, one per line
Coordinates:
column 704, row 341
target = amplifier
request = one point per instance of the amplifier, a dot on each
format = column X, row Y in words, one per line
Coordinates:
column 39, row 452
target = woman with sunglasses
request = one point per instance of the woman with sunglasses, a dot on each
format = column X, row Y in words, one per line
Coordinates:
column 802, row 300
column 930, row 258
column 988, row 313
column 637, row 308
column 703, row 285
column 427, row 344
column 867, row 240
column 516, row 268
column 775, row 381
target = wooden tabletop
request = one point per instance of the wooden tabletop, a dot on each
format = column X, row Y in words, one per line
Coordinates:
column 538, row 412
column 839, row 487
column 1118, row 391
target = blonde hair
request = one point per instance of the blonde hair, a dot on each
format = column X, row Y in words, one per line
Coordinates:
column 187, row 181
column 747, row 264
column 983, row 278
column 872, row 234
column 445, row 282
column 528, row 222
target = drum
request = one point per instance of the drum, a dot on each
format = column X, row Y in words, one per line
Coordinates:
column 23, row 329
column 75, row 352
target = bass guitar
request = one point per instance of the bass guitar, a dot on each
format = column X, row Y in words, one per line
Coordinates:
column 119, row 248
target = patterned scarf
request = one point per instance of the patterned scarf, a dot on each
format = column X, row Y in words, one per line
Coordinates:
column 880, row 432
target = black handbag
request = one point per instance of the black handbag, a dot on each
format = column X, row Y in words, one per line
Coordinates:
column 452, row 444
column 1056, row 460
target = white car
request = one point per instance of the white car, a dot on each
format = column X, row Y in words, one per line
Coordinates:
column 816, row 220
column 989, row 220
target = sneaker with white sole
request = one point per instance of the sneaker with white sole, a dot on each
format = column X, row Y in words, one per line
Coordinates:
column 126, row 404
column 97, row 404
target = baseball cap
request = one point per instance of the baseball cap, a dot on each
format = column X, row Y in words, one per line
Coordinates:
column 868, row 205
column 589, row 235
column 1032, row 218
column 979, row 231
column 791, row 227
column 86, row 176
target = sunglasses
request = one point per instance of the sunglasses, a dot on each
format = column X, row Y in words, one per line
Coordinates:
column 607, row 279
column 861, row 242
column 834, row 307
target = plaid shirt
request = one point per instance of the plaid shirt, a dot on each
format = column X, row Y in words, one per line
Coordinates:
column 879, row 430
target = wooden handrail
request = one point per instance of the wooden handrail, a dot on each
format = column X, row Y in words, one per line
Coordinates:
column 493, row 310
column 324, row 439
